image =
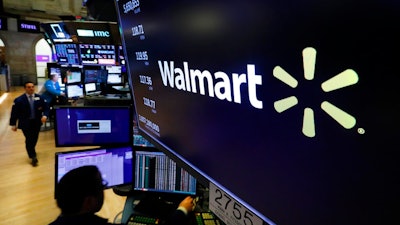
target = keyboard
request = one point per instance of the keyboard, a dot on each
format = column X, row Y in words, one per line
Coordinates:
column 207, row 218
column 143, row 220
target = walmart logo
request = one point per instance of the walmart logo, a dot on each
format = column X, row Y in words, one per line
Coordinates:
column 341, row 80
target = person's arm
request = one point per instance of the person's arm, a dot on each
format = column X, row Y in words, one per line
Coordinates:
column 46, row 110
column 50, row 88
column 179, row 217
column 14, row 116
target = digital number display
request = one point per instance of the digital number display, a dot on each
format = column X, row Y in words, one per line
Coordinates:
column 229, row 210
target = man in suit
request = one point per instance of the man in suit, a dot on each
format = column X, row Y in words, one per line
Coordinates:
column 28, row 113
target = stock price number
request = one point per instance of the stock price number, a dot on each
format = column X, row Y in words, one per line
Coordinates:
column 141, row 56
column 145, row 80
column 150, row 103
column 229, row 210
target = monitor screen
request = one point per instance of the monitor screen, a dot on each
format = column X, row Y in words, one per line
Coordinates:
column 97, row 54
column 95, row 32
column 156, row 172
column 95, row 75
column 71, row 75
column 114, row 78
column 53, row 68
column 67, row 53
column 74, row 77
column 57, row 32
column 114, row 163
column 74, row 90
column 285, row 106
column 93, row 125
column 114, row 75
column 60, row 81
column 90, row 87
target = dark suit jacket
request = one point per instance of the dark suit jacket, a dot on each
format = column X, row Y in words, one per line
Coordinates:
column 178, row 218
column 21, row 111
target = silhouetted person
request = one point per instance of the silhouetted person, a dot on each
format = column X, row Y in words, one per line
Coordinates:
column 80, row 194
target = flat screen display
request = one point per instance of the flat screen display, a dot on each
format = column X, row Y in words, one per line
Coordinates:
column 71, row 75
column 67, row 53
column 95, row 75
column 90, row 87
column 93, row 126
column 156, row 172
column 97, row 54
column 74, row 90
column 57, row 32
column 286, row 106
column 114, row 75
column 114, row 163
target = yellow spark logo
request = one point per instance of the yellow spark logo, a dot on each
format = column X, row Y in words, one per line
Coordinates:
column 341, row 80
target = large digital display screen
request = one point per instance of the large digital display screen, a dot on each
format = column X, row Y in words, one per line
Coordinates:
column 287, row 107
column 93, row 126
column 93, row 54
column 67, row 54
column 57, row 32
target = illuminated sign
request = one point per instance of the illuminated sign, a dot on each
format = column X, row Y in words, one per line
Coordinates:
column 93, row 33
column 28, row 26
column 344, row 79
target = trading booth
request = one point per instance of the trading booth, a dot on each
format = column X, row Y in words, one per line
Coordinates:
column 267, row 112
column 89, row 60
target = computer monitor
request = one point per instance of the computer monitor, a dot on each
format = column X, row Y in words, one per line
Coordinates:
column 74, row 91
column 114, row 163
column 92, row 88
column 67, row 53
column 114, row 78
column 53, row 68
column 93, row 126
column 57, row 32
column 155, row 172
column 60, row 81
column 114, row 75
column 95, row 75
column 97, row 54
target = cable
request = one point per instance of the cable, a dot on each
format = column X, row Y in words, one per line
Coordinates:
column 116, row 218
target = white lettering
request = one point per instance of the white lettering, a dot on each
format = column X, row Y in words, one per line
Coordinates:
column 130, row 5
column 99, row 33
column 218, row 84
column 28, row 26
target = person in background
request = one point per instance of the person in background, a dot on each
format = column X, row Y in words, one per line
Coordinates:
column 51, row 89
column 80, row 194
column 28, row 113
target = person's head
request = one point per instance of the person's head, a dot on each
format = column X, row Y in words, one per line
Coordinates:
column 80, row 191
column 54, row 77
column 29, row 87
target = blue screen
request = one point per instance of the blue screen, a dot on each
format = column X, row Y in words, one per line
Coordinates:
column 93, row 126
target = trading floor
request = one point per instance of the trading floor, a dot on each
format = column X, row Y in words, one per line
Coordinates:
column 26, row 191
